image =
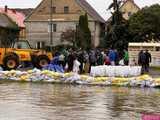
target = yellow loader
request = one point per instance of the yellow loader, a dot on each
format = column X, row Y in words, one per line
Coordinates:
column 20, row 51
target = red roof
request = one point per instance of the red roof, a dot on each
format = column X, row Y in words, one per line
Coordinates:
column 15, row 16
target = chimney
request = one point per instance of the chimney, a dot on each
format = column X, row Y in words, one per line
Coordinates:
column 5, row 8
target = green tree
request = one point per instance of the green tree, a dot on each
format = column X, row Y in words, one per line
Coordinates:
column 8, row 33
column 145, row 24
column 83, row 34
column 116, row 15
column 117, row 32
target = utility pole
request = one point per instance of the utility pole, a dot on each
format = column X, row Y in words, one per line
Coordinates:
column 51, row 26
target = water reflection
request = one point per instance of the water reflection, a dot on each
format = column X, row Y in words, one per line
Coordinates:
column 31, row 101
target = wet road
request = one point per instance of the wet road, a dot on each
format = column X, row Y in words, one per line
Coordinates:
column 35, row 101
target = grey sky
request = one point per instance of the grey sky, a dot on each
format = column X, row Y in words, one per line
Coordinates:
column 99, row 5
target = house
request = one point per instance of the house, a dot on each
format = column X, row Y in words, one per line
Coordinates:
column 25, row 11
column 65, row 15
column 8, row 28
column 17, row 17
column 127, row 8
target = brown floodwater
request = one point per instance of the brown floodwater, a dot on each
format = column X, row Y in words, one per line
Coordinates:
column 37, row 101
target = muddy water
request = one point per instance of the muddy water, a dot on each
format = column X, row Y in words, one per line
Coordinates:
column 35, row 101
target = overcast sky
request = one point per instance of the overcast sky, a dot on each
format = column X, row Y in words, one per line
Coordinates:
column 99, row 5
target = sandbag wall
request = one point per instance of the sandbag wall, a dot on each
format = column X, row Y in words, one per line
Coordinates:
column 36, row 75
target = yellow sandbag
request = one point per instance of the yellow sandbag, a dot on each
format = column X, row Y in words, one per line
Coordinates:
column 12, row 71
column 24, row 77
column 30, row 71
column 84, row 77
column 46, row 72
column 119, row 81
column 157, row 81
column 100, row 79
column 68, row 74
column 143, row 77
column 55, row 74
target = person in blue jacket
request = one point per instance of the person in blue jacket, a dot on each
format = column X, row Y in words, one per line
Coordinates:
column 112, row 57
column 54, row 65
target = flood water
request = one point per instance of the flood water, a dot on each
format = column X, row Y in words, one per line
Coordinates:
column 36, row 101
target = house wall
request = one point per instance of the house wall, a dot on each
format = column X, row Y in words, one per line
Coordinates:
column 39, row 32
column 128, row 9
column 37, row 24
column 42, row 12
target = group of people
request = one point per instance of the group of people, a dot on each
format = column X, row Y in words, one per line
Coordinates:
column 144, row 58
column 81, row 60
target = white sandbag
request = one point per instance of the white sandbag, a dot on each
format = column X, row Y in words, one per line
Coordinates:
column 112, row 71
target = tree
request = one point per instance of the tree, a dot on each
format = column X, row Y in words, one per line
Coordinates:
column 116, row 15
column 145, row 24
column 8, row 35
column 81, row 36
column 83, row 32
column 69, row 35
column 117, row 32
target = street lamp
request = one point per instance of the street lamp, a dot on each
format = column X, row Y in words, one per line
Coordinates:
column 51, row 27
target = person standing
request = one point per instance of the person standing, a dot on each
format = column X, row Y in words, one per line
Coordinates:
column 86, row 62
column 106, row 61
column 112, row 57
column 61, row 60
column 70, row 61
column 142, row 60
column 76, row 65
column 100, row 59
column 92, row 59
column 81, row 60
column 126, row 57
column 148, row 60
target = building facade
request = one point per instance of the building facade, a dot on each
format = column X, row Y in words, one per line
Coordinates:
column 128, row 8
column 63, row 15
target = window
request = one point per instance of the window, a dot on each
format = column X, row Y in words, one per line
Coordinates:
column 40, row 44
column 54, row 27
column 157, row 48
column 53, row 9
column 66, row 9
column 129, row 14
column 123, row 12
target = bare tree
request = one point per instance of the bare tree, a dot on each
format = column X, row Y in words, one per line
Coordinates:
column 69, row 36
